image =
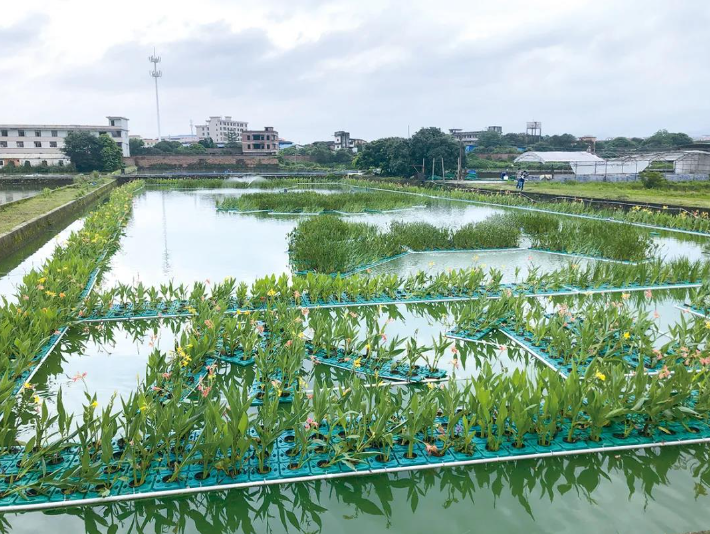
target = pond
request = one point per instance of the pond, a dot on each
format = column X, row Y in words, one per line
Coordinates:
column 179, row 235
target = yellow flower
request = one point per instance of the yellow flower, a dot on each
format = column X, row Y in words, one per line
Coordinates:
column 301, row 335
column 37, row 399
column 94, row 404
column 42, row 280
column 627, row 335
column 430, row 385
column 27, row 385
column 50, row 293
column 600, row 376
column 367, row 347
column 356, row 363
column 271, row 293
column 707, row 325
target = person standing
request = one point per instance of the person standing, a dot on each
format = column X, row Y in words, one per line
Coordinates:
column 523, row 176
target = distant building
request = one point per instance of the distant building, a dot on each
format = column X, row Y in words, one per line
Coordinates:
column 264, row 141
column 344, row 141
column 219, row 129
column 469, row 138
column 41, row 144
column 285, row 144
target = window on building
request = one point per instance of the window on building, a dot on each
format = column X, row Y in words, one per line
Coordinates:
column 20, row 144
column 44, row 163
column 52, row 144
column 249, row 146
column 61, row 163
column 2, row 163
column 38, row 133
column 38, row 144
column 113, row 123
column 3, row 133
column 20, row 133
column 55, row 133
column 116, row 134
column 3, row 144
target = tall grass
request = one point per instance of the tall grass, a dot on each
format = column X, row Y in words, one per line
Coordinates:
column 247, row 183
column 314, row 202
column 328, row 244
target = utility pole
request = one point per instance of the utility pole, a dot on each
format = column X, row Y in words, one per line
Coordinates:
column 191, row 127
column 155, row 73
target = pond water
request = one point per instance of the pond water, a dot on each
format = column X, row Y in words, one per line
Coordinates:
column 179, row 235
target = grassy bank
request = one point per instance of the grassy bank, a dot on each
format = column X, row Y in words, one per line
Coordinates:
column 687, row 194
column 14, row 214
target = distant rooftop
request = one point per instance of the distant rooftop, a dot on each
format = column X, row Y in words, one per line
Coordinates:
column 556, row 157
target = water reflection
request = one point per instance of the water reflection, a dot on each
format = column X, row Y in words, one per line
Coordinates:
column 580, row 494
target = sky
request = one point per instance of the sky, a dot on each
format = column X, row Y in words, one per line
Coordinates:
column 375, row 68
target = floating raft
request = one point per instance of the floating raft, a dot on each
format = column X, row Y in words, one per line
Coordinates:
column 281, row 469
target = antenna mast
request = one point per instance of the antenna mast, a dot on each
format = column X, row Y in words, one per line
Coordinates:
column 155, row 73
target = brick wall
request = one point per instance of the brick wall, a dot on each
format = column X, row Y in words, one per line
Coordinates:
column 184, row 161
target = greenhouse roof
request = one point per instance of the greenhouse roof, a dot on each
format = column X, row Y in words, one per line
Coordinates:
column 555, row 157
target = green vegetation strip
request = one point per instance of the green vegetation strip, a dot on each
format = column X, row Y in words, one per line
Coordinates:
column 16, row 214
column 48, row 298
column 692, row 195
column 313, row 202
column 657, row 219
column 319, row 290
column 331, row 245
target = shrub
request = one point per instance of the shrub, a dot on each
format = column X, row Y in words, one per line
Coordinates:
column 653, row 179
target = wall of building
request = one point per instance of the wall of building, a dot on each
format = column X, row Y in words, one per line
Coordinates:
column 44, row 142
column 185, row 161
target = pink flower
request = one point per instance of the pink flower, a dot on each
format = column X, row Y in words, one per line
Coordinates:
column 209, row 324
column 78, row 376
column 648, row 294
column 204, row 390
column 431, row 448
column 656, row 315
column 454, row 350
column 304, row 311
column 665, row 372
column 502, row 348
column 289, row 343
column 705, row 361
column 384, row 336
column 310, row 423
column 455, row 363
column 166, row 375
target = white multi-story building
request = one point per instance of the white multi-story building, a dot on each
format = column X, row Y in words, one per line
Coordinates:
column 41, row 144
column 344, row 141
column 219, row 129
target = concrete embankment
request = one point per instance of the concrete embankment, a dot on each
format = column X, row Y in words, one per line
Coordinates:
column 28, row 230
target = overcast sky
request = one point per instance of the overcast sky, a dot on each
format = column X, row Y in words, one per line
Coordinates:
column 372, row 67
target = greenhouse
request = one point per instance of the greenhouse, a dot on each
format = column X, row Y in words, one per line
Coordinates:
column 213, row 347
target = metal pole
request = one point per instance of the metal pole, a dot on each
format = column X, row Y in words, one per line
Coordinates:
column 157, row 107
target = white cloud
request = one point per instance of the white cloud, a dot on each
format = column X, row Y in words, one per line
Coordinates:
column 372, row 67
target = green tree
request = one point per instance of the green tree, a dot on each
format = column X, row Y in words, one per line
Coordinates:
column 391, row 155
column 195, row 148
column 664, row 140
column 84, row 151
column 232, row 141
column 136, row 146
column 207, row 142
column 490, row 139
column 111, row 154
column 432, row 144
